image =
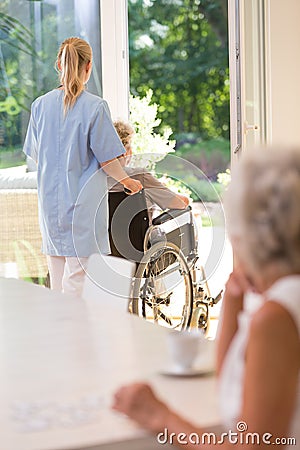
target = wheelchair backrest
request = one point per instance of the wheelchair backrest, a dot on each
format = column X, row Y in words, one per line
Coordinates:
column 128, row 223
column 129, row 232
column 177, row 226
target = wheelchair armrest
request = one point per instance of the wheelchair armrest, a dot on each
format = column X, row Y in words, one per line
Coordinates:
column 170, row 214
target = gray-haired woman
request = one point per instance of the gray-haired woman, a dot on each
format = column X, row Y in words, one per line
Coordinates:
column 259, row 348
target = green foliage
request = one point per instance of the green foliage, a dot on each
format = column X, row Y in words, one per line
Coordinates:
column 15, row 34
column 176, row 186
column 195, row 188
column 11, row 157
column 203, row 190
column 191, row 178
column 15, row 43
column 197, row 145
column 206, row 221
column 179, row 50
column 210, row 191
column 211, row 156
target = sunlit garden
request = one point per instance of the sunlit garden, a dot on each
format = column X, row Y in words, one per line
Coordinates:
column 178, row 62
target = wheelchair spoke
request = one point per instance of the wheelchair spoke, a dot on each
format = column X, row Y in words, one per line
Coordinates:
column 163, row 290
column 157, row 313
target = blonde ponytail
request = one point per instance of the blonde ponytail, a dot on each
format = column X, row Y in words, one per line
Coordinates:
column 73, row 55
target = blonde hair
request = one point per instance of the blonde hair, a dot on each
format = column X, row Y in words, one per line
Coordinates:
column 124, row 130
column 73, row 55
column 263, row 211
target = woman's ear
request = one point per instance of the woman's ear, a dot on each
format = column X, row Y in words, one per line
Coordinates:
column 58, row 65
column 88, row 66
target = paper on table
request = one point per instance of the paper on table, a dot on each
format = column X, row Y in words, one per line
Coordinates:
column 44, row 415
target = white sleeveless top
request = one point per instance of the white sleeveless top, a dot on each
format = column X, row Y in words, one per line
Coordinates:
column 286, row 292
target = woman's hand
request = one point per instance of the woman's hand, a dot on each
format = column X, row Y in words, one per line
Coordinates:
column 237, row 285
column 132, row 185
column 114, row 169
column 139, row 402
column 232, row 304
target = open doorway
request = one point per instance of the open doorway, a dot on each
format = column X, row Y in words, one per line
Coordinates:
column 178, row 51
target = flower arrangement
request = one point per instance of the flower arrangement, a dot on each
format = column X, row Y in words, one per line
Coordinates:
column 149, row 147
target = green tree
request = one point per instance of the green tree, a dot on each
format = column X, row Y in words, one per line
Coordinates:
column 15, row 41
column 178, row 48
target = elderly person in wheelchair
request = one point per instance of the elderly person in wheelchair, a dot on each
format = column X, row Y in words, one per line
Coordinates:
column 169, row 285
column 157, row 194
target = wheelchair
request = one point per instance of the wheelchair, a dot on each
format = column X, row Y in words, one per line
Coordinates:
column 169, row 286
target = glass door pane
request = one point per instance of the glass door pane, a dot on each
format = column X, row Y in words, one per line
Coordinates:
column 30, row 34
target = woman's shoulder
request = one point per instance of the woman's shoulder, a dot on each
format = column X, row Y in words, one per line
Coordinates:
column 279, row 314
column 271, row 314
column 271, row 367
column 274, row 331
column 91, row 105
column 286, row 293
column 93, row 99
column 46, row 98
column 40, row 98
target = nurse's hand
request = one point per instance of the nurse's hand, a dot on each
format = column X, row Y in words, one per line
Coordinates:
column 131, row 185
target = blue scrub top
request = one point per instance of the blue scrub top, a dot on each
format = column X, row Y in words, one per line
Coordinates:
column 72, row 189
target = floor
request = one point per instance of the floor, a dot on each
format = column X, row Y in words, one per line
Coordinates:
column 215, row 254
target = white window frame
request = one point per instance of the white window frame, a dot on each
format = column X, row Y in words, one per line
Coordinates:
column 115, row 56
column 277, row 40
column 234, row 40
column 239, row 49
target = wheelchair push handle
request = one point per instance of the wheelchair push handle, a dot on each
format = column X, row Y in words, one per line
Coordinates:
column 129, row 192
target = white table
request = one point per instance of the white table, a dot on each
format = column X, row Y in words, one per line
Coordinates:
column 62, row 358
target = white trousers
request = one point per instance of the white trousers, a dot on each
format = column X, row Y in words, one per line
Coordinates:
column 67, row 273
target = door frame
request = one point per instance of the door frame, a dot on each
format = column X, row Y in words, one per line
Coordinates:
column 239, row 43
column 115, row 56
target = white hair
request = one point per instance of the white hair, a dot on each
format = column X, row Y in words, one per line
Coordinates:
column 263, row 208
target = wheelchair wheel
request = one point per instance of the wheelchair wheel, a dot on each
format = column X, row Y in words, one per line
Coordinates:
column 162, row 290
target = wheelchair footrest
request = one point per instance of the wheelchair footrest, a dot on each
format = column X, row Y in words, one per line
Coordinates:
column 217, row 298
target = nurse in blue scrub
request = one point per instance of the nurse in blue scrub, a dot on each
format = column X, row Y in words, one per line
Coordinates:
column 72, row 139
